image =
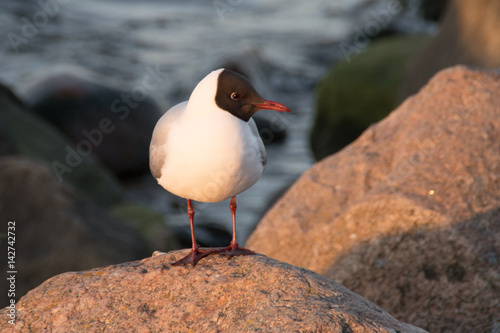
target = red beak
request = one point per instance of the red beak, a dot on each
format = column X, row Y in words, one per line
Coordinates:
column 270, row 105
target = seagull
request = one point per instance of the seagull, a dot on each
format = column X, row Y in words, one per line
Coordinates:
column 208, row 149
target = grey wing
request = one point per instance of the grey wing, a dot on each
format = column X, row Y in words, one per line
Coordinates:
column 262, row 148
column 157, row 153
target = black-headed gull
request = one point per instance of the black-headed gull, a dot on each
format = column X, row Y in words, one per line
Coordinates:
column 208, row 148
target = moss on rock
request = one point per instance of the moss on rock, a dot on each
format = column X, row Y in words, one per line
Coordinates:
column 358, row 93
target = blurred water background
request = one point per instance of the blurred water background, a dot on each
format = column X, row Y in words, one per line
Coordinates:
column 284, row 47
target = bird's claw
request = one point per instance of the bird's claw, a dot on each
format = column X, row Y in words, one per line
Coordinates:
column 193, row 257
column 234, row 250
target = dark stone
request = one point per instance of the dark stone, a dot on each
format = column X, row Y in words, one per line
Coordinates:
column 432, row 10
column 113, row 124
column 272, row 127
column 209, row 235
column 27, row 134
column 56, row 229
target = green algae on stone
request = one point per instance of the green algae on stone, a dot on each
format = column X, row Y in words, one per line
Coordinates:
column 360, row 92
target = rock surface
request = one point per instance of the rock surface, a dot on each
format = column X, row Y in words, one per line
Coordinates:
column 407, row 215
column 243, row 294
column 468, row 36
column 112, row 124
column 56, row 230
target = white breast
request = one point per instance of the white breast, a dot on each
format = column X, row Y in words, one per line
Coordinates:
column 210, row 157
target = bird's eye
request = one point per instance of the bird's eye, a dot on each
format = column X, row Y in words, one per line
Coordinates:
column 235, row 96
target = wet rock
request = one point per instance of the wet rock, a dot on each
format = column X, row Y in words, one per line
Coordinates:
column 432, row 9
column 243, row 294
column 7, row 146
column 56, row 230
column 151, row 225
column 360, row 91
column 271, row 126
column 112, row 124
column 407, row 215
column 27, row 134
column 207, row 234
column 468, row 36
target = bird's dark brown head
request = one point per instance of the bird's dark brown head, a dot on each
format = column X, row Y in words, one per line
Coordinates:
column 236, row 94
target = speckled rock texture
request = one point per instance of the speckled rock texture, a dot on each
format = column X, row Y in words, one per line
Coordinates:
column 241, row 294
column 408, row 215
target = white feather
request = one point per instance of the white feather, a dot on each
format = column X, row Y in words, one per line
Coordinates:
column 204, row 153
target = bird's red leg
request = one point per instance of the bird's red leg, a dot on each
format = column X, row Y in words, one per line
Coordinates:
column 196, row 254
column 234, row 249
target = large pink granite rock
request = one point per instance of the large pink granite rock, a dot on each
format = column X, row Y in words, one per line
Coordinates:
column 408, row 215
column 243, row 294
